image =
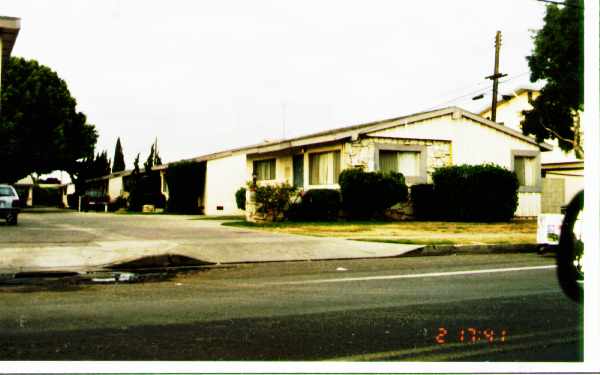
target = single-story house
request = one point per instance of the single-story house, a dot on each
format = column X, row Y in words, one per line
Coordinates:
column 562, row 172
column 414, row 145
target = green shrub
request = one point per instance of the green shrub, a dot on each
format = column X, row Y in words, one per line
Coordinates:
column 318, row 204
column 423, row 201
column 274, row 200
column 240, row 198
column 368, row 194
column 184, row 180
column 483, row 193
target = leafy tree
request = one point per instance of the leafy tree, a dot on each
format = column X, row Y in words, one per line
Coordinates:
column 40, row 128
column 136, row 165
column 118, row 158
column 557, row 58
column 90, row 167
column 153, row 158
column 101, row 164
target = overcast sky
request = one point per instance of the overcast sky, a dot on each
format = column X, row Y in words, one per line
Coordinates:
column 205, row 76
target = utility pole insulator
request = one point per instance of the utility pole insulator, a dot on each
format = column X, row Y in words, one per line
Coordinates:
column 497, row 75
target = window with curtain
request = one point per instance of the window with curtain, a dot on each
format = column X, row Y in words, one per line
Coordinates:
column 324, row 168
column 525, row 170
column 264, row 169
column 406, row 162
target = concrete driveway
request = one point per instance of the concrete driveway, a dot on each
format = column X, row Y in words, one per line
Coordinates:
column 72, row 241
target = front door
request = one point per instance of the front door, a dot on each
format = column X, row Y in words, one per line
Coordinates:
column 299, row 171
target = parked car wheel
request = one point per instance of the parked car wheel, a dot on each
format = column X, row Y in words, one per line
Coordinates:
column 12, row 219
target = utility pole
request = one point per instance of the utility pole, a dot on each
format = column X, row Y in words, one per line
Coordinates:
column 497, row 75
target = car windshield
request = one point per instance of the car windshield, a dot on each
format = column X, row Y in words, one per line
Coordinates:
column 6, row 191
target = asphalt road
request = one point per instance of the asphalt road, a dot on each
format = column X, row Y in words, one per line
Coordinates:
column 404, row 309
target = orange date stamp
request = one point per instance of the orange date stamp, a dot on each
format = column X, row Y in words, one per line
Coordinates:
column 471, row 335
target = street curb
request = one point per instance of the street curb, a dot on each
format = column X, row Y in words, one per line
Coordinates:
column 438, row 250
column 172, row 262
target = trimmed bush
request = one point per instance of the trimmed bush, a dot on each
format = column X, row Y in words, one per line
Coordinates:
column 482, row 193
column 423, row 201
column 368, row 194
column 240, row 198
column 318, row 204
column 274, row 200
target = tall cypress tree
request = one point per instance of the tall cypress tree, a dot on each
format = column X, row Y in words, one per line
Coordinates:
column 118, row 158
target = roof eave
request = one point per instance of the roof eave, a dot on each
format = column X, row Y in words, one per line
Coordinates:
column 9, row 29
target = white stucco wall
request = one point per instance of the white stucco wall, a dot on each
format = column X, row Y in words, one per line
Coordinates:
column 224, row 176
column 530, row 204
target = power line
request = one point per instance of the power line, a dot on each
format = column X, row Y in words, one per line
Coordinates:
column 479, row 91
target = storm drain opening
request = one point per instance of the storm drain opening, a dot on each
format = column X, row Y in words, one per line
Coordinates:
column 43, row 274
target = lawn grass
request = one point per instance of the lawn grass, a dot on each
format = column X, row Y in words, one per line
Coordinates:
column 411, row 232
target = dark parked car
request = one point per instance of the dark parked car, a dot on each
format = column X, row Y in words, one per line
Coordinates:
column 9, row 204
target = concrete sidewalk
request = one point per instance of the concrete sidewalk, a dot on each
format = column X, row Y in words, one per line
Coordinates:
column 84, row 242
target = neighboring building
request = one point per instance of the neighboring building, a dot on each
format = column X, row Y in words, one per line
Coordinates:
column 111, row 186
column 562, row 172
column 414, row 145
column 28, row 190
column 9, row 29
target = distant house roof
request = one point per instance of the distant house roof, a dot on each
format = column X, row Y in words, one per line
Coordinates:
column 111, row 175
column 508, row 97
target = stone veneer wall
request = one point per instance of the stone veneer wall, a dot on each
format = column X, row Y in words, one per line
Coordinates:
column 362, row 152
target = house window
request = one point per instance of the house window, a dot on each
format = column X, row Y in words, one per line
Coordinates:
column 525, row 169
column 406, row 162
column 324, row 168
column 264, row 169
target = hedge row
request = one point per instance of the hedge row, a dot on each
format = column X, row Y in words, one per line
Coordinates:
column 317, row 204
column 480, row 193
column 368, row 194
